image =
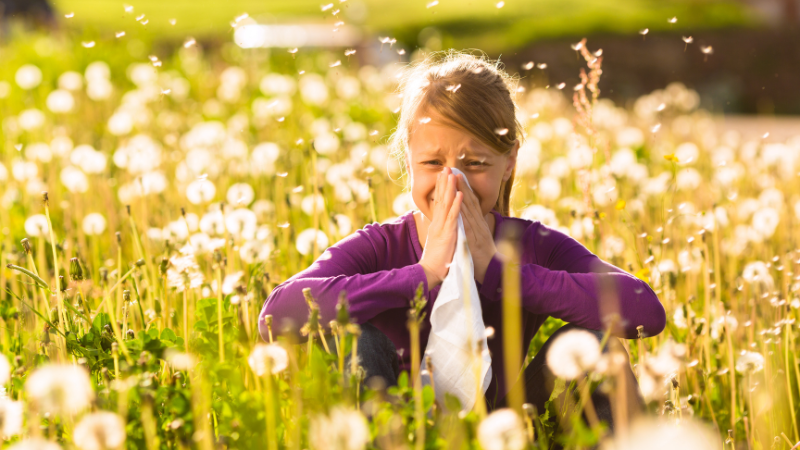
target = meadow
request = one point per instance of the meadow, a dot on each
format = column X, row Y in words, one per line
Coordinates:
column 149, row 207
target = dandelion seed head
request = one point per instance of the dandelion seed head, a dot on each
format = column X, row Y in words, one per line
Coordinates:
column 573, row 353
column 503, row 429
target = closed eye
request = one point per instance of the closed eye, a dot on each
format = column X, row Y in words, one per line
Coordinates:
column 476, row 163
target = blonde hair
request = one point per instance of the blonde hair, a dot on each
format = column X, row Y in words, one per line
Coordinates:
column 471, row 92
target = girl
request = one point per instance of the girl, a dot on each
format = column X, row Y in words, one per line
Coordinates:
column 458, row 111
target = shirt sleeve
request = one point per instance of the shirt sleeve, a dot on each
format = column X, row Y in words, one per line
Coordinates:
column 570, row 283
column 350, row 265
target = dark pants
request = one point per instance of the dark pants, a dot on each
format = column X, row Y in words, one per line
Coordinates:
column 378, row 356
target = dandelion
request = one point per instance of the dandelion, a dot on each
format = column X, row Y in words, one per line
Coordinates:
column 94, row 224
column 179, row 360
column 502, row 430
column 60, row 101
column 573, row 353
column 99, row 431
column 60, row 388
column 749, row 362
column 272, row 355
column 184, row 273
column 28, row 76
column 341, row 429
column 200, row 191
column 10, row 417
column 35, row 443
column 655, row 434
column 36, row 226
column 240, row 194
column 306, row 238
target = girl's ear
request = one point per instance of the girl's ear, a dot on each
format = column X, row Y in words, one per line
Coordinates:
column 511, row 160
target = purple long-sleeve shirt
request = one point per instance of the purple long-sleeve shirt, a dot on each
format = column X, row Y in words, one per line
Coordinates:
column 378, row 268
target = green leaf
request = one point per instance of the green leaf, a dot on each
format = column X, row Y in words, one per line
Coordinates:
column 428, row 397
column 168, row 335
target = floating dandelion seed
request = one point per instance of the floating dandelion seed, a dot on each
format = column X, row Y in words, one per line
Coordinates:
column 69, row 15
column 298, row 189
column 128, row 8
column 766, row 135
column 283, row 225
column 501, row 131
column 688, row 40
column 542, row 66
column 298, row 142
column 661, row 107
column 401, row 52
column 282, row 174
column 119, row 34
column 599, row 52
column 535, row 116
column 520, row 89
column 87, row 44
column 338, row 24
column 18, row 147
column 373, row 133
column 577, row 46
column 145, row 22
column 241, row 17
column 528, row 65
column 172, row 22
column 301, row 72
column 500, row 4
column 578, row 87
column 424, row 120
column 707, row 50
column 672, row 20
column 335, row 12
column 453, row 88
column 165, row 91
column 349, row 52
column 432, row 4
column 561, row 85
column 140, row 18
column 656, row 128
column 644, row 31
column 189, row 42
column 327, row 7
column 337, row 63
column 281, row 119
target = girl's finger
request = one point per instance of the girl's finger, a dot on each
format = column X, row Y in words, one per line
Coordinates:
column 456, row 209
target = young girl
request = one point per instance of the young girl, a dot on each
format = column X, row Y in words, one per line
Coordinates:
column 458, row 111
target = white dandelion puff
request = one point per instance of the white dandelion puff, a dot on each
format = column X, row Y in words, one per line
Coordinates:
column 573, row 353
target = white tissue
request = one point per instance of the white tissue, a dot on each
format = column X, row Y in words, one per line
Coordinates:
column 453, row 324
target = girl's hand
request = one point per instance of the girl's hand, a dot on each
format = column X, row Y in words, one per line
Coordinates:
column 479, row 236
column 440, row 244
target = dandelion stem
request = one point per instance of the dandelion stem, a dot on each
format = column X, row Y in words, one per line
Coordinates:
column 220, row 298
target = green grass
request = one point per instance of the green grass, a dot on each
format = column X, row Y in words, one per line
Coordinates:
column 470, row 23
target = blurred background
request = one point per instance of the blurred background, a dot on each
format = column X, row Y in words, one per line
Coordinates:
column 749, row 67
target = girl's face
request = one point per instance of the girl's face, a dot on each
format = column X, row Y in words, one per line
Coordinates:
column 434, row 145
